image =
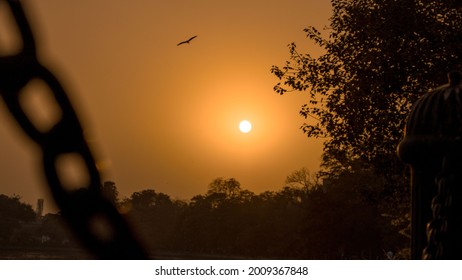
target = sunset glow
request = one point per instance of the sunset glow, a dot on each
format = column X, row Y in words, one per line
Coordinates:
column 232, row 130
column 155, row 110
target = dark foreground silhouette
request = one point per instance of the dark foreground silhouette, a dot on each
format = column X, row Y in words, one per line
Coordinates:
column 227, row 222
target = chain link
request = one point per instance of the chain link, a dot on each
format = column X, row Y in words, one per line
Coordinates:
column 82, row 207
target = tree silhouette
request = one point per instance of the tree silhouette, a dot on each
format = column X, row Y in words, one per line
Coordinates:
column 379, row 56
column 155, row 216
column 302, row 178
column 110, row 191
column 341, row 219
column 13, row 213
column 229, row 188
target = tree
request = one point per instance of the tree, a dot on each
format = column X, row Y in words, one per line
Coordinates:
column 227, row 187
column 110, row 192
column 149, row 198
column 379, row 56
column 154, row 216
column 302, row 178
column 13, row 212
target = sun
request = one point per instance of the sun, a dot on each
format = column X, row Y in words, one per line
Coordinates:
column 245, row 126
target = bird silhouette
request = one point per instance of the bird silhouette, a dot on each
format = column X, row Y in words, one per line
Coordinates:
column 187, row 41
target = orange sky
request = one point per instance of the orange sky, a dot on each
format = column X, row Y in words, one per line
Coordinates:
column 164, row 116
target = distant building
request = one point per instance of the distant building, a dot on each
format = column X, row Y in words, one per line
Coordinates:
column 39, row 209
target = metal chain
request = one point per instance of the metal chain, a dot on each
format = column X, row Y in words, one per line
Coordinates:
column 86, row 209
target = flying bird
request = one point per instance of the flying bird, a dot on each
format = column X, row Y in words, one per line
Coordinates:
column 187, row 41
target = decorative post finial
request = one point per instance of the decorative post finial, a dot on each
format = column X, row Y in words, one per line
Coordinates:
column 454, row 77
column 432, row 146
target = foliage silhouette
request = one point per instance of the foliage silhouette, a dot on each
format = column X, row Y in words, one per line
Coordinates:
column 109, row 190
column 338, row 220
column 379, row 56
column 12, row 214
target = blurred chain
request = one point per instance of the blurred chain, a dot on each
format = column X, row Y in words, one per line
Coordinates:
column 85, row 209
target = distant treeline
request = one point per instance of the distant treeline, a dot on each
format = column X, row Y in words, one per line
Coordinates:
column 306, row 219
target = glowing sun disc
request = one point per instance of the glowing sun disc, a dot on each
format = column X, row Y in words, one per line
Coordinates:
column 245, row 126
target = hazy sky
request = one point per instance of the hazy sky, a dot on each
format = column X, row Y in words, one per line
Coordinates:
column 164, row 116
